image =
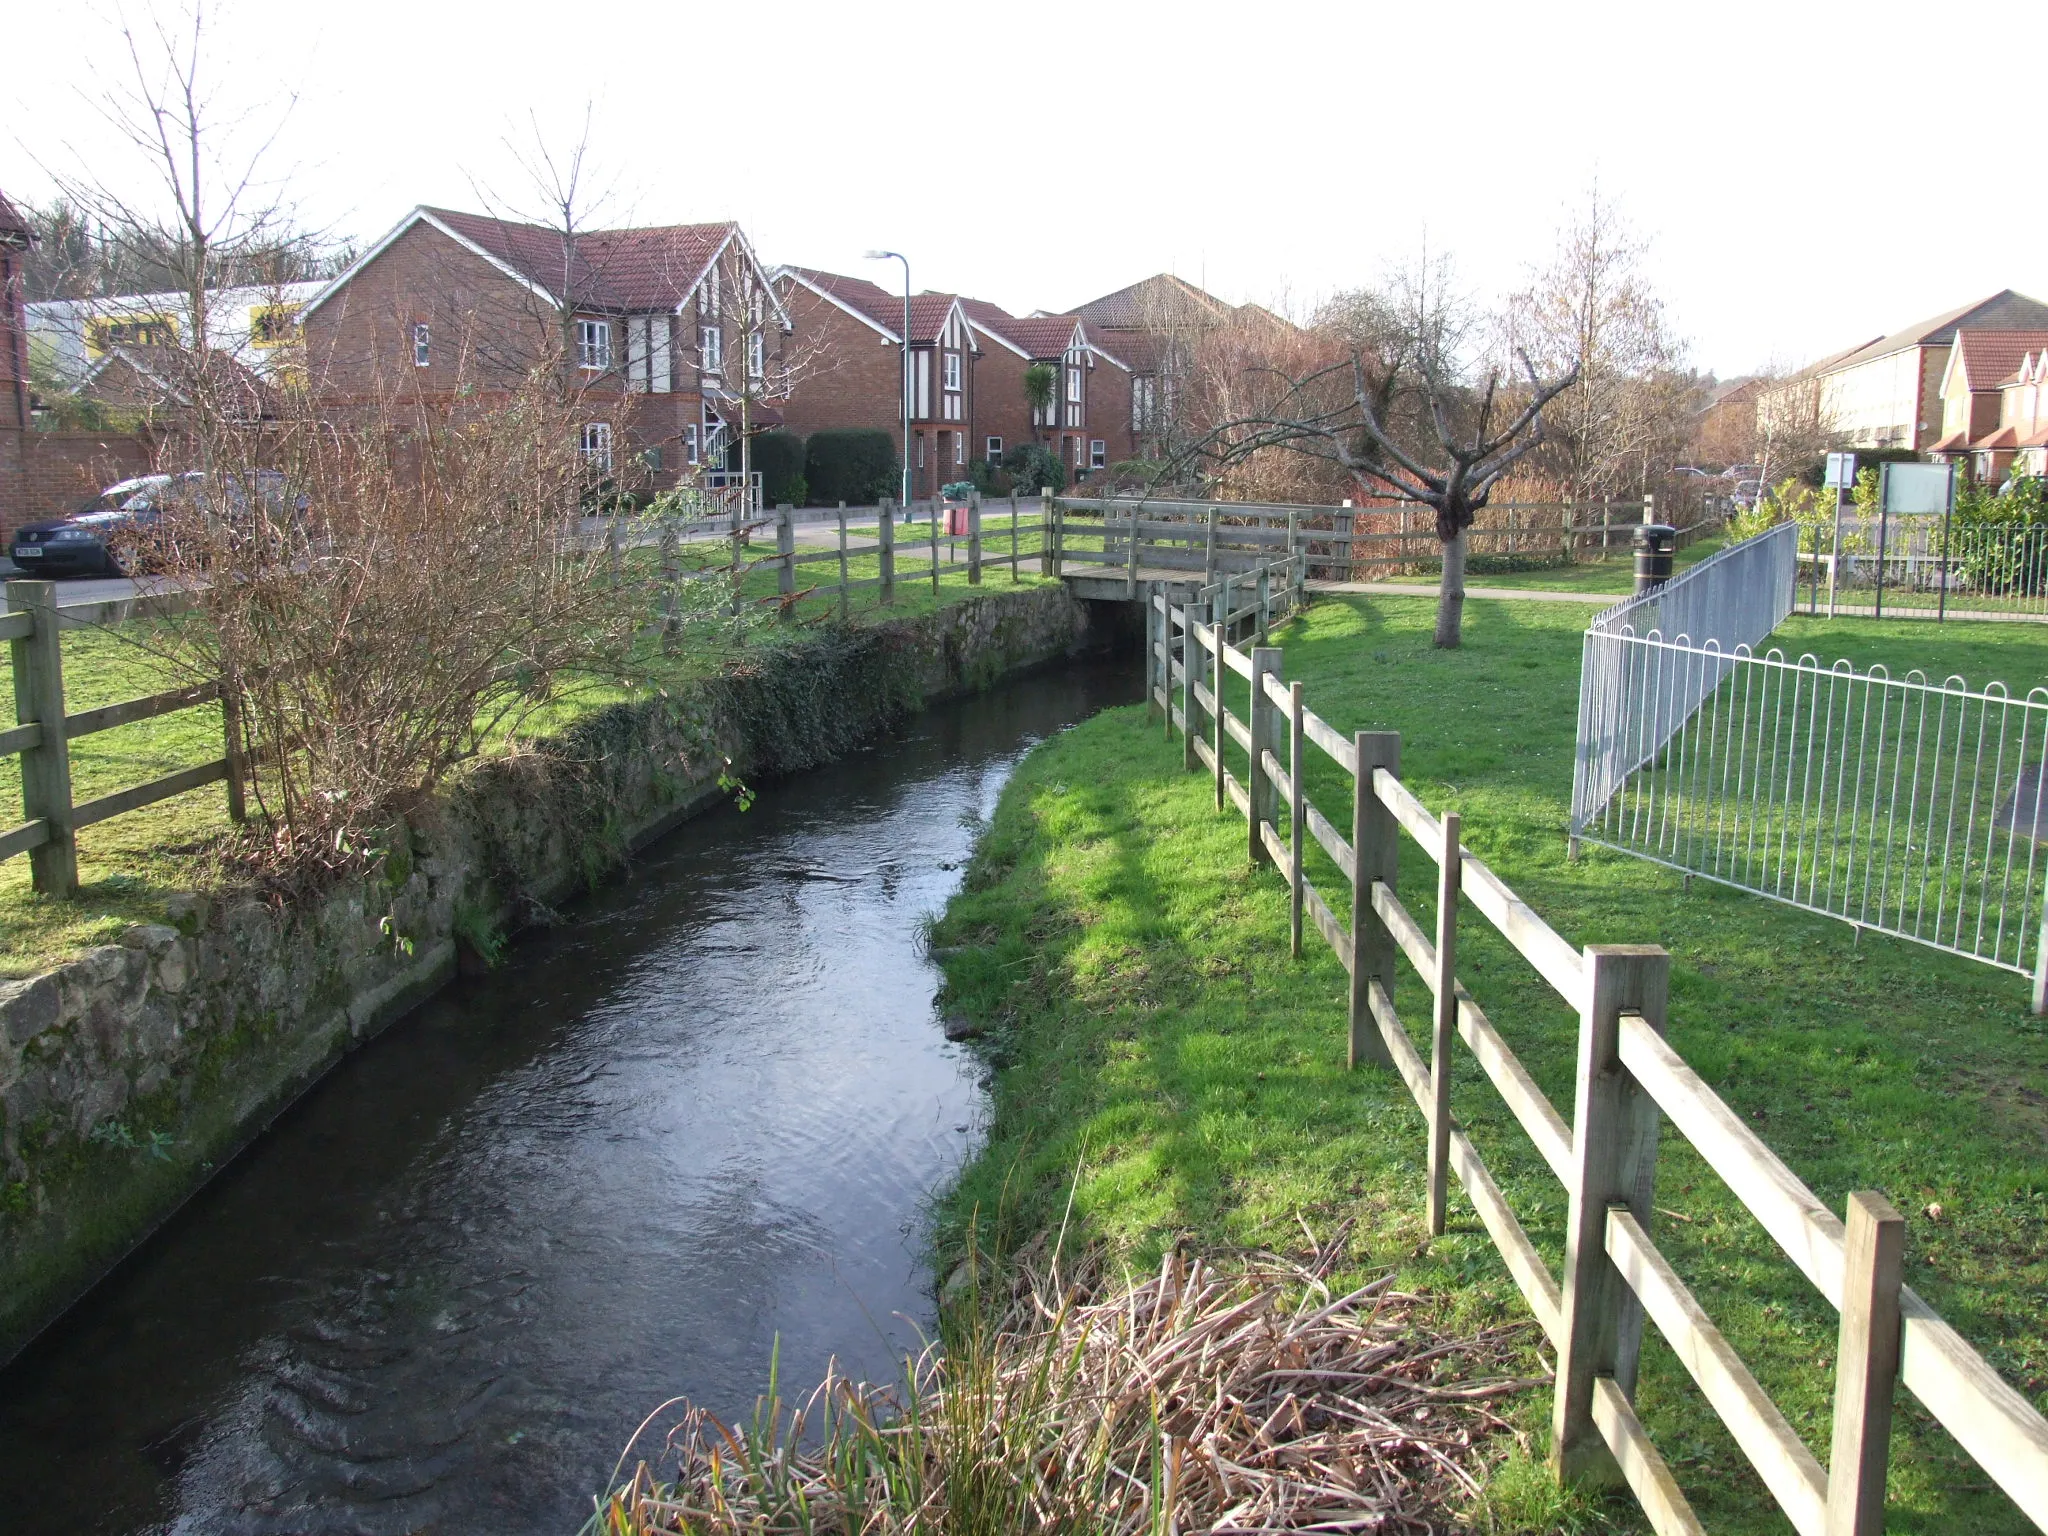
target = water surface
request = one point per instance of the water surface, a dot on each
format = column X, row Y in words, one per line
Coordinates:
column 703, row 1114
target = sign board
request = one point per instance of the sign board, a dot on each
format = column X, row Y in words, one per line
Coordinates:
column 1841, row 474
column 1915, row 487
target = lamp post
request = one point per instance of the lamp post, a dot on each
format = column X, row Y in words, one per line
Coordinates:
column 899, row 256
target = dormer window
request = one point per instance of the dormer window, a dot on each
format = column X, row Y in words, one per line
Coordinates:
column 711, row 347
column 953, row 372
column 594, row 344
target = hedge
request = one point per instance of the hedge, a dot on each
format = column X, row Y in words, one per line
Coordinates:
column 851, row 464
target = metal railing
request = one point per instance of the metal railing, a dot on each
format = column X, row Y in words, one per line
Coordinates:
column 1732, row 598
column 1629, row 1077
column 1923, row 565
column 1908, row 807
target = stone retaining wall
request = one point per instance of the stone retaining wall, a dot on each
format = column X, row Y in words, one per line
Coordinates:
column 130, row 1075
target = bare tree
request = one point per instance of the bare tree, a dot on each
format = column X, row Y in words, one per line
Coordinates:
column 1592, row 311
column 1478, row 437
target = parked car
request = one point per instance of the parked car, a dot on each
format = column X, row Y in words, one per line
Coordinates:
column 89, row 541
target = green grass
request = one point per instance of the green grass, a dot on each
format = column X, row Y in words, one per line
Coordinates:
column 1162, row 1058
column 1615, row 574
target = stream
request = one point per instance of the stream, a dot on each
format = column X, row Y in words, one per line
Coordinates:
column 703, row 1115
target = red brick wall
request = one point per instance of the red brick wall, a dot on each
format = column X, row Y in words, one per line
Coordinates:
column 59, row 471
column 1108, row 414
column 999, row 408
column 854, row 375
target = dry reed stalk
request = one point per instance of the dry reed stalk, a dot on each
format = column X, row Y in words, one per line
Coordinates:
column 1227, row 1399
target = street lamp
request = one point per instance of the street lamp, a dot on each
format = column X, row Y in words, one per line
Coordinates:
column 899, row 256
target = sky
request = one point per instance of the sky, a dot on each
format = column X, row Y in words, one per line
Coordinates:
column 1807, row 175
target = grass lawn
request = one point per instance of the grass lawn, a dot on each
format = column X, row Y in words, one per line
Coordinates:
column 129, row 865
column 1615, row 574
column 1168, row 1068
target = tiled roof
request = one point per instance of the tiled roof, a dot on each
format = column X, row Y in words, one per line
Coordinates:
column 2004, row 310
column 1949, row 443
column 1142, row 350
column 928, row 311
column 1992, row 358
column 651, row 268
column 2004, row 437
column 1039, row 336
column 1140, row 304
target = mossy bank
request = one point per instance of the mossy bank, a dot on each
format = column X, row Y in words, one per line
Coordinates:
column 131, row 1074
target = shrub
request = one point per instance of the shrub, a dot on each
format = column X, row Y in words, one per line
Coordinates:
column 989, row 479
column 779, row 456
column 853, row 464
column 1035, row 467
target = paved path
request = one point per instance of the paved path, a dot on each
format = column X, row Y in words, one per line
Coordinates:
column 1505, row 594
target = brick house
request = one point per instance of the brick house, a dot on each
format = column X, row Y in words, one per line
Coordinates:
column 1089, row 423
column 1153, row 326
column 1887, row 393
column 2024, row 410
column 850, row 333
column 673, row 333
column 1983, row 400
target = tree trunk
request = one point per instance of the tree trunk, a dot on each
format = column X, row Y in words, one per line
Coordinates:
column 1450, row 596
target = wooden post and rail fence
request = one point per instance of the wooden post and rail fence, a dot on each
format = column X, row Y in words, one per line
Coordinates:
column 1628, row 1081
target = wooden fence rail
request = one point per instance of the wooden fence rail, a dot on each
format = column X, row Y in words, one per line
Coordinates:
column 1628, row 1081
column 1340, row 548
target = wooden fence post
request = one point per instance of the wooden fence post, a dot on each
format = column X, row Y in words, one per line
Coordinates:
column 1209, row 551
column 1866, row 1367
column 1265, row 600
column 1259, row 787
column 1293, row 536
column 1606, row 527
column 1375, row 842
column 1157, row 598
column 1449, row 878
column 885, row 550
column 1150, row 664
column 231, row 735
column 1614, row 1162
column 974, row 540
column 46, row 767
column 934, row 513
column 1046, row 565
column 1130, row 556
column 1220, row 635
column 785, row 562
column 1015, row 577
column 1190, row 648
column 842, row 563
column 1297, row 818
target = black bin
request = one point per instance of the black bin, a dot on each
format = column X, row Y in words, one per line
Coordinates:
column 1655, row 544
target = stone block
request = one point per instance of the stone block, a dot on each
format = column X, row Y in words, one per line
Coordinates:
column 27, row 1008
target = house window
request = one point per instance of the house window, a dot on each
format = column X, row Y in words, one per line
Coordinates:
column 594, row 344
column 651, row 458
column 995, row 449
column 274, row 325
column 1098, row 454
column 1074, row 385
column 757, row 355
column 920, row 450
column 959, row 447
column 711, row 344
column 1144, row 403
column 711, row 294
column 690, row 443
column 647, row 355
column 597, row 446
column 152, row 331
column 953, row 371
column 422, row 341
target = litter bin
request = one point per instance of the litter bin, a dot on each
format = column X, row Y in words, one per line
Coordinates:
column 956, row 520
column 1655, row 545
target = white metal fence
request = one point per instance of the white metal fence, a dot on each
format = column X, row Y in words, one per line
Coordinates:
column 1733, row 598
column 1915, row 565
column 1897, row 804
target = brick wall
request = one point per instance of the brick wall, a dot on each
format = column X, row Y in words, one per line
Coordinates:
column 59, row 471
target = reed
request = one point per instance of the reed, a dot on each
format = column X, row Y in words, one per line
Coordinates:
column 1206, row 1396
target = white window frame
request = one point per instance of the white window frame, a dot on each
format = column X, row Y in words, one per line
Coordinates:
column 959, row 448
column 1098, row 453
column 691, row 440
column 422, row 344
column 757, row 355
column 920, row 450
column 953, row 372
column 593, row 345
column 994, row 445
column 1073, row 386
column 711, row 348
column 596, row 444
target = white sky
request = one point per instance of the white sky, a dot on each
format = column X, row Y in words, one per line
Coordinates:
column 1810, row 174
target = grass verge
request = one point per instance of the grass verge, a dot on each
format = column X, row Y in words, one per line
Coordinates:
column 1151, row 1032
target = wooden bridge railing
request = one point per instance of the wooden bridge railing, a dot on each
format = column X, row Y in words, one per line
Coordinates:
column 1628, row 1079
